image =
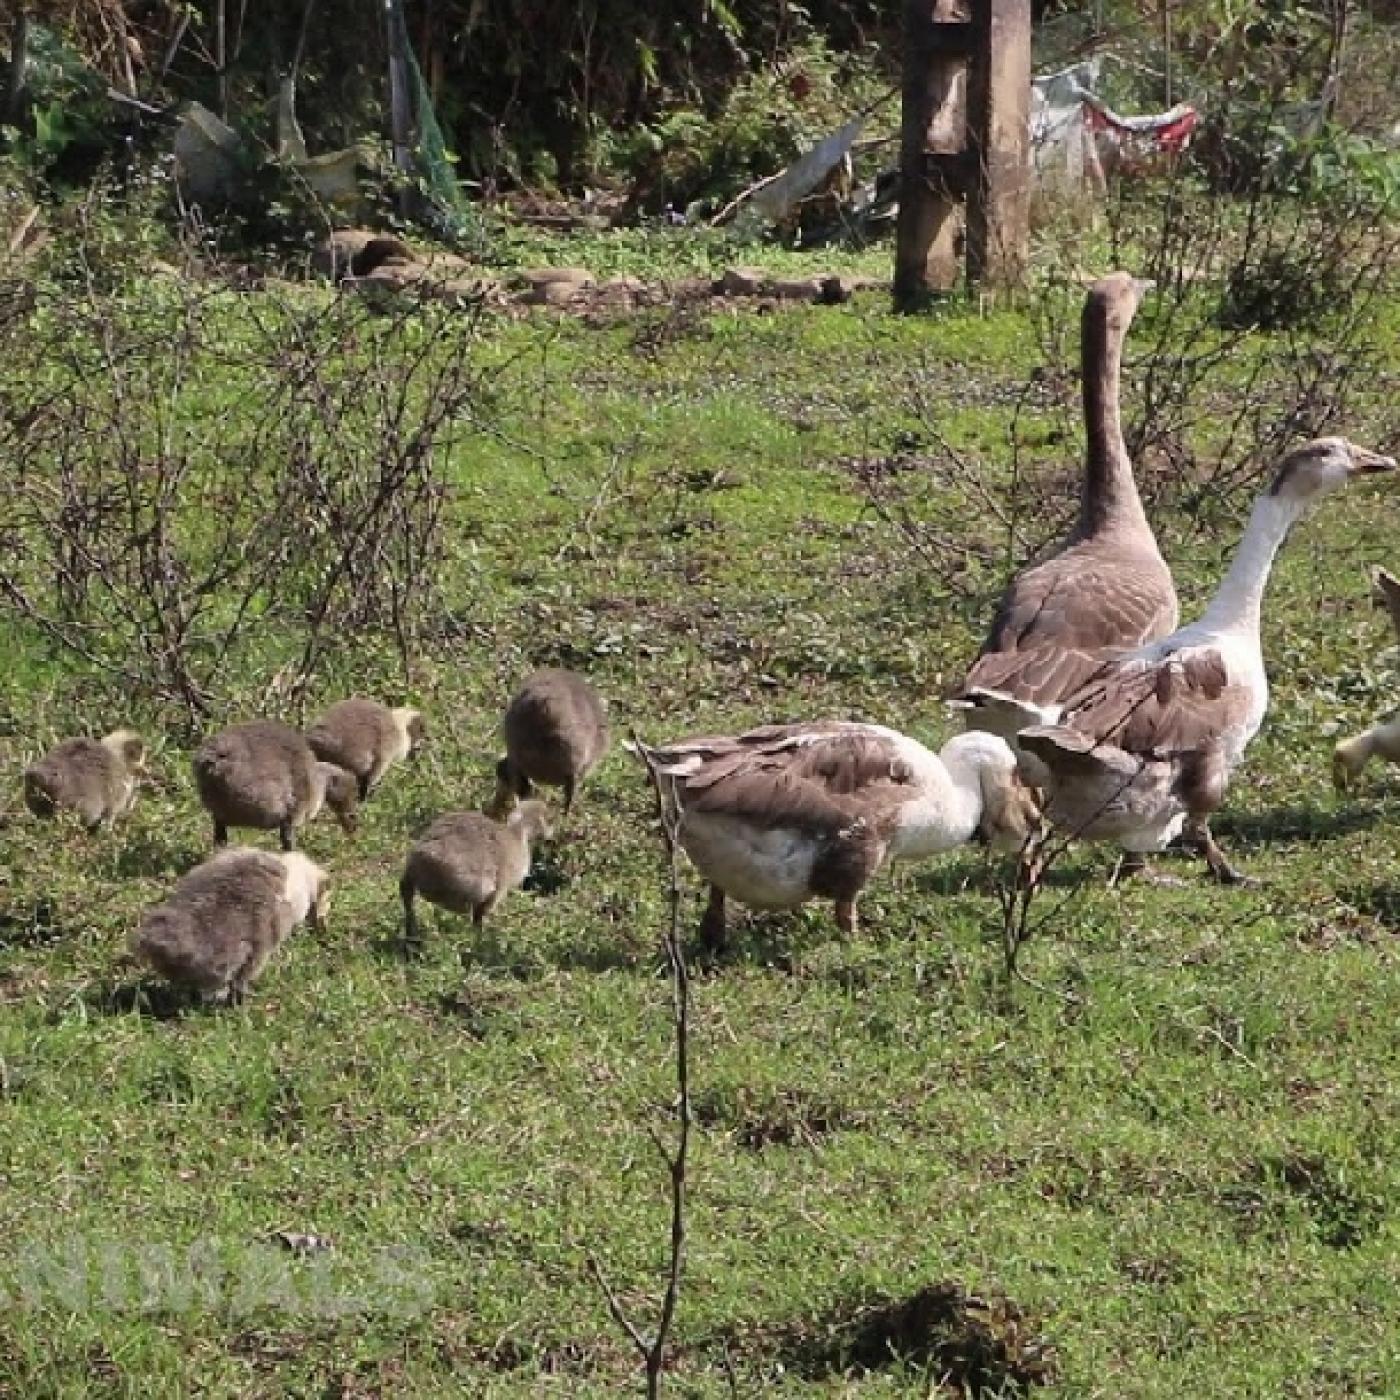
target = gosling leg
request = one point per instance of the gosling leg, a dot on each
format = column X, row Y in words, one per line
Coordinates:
column 407, row 891
column 712, row 931
column 846, row 919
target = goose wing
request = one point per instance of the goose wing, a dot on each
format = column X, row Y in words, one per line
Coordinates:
column 1180, row 704
column 813, row 777
column 1057, row 620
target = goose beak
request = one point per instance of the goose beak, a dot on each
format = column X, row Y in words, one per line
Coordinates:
column 1367, row 463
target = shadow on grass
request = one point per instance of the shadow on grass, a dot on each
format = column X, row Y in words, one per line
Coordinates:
column 34, row 927
column 156, row 1001
column 157, row 853
column 968, row 1344
column 1379, row 902
column 1296, row 823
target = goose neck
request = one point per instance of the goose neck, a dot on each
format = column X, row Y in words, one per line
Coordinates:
column 1110, row 492
column 1238, row 601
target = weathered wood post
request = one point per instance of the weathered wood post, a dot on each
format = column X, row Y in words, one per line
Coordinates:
column 964, row 145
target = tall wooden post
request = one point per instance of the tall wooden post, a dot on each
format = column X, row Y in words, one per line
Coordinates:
column 964, row 145
column 999, row 141
column 937, row 42
column 400, row 100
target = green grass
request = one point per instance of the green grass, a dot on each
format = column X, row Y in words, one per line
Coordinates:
column 1181, row 1167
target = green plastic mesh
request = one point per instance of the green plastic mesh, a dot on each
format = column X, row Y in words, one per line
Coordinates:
column 458, row 216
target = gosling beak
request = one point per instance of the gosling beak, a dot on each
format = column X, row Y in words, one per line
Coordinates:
column 1364, row 462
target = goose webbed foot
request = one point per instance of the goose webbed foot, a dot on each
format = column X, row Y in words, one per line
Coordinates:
column 1219, row 864
column 1132, row 865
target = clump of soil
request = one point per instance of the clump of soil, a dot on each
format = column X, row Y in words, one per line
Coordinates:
column 968, row 1344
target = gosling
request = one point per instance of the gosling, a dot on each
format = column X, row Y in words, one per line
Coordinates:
column 1381, row 740
column 96, row 778
column 366, row 738
column 264, row 775
column 467, row 862
column 556, row 730
column 224, row 919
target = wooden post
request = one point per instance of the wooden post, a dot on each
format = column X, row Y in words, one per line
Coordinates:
column 13, row 104
column 999, row 137
column 964, row 145
column 936, row 47
column 400, row 104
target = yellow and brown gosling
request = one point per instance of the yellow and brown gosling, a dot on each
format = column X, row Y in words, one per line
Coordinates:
column 224, row 919
column 366, row 738
column 96, row 778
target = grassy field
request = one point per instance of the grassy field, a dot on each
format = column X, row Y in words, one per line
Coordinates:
column 1176, row 1164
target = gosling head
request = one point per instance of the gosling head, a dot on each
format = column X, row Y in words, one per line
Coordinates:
column 512, row 786
column 1348, row 759
column 129, row 747
column 308, row 887
column 414, row 726
column 1308, row 473
column 533, row 818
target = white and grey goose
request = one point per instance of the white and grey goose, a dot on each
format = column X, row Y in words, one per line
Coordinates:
column 791, row 812
column 1107, row 586
column 1148, row 745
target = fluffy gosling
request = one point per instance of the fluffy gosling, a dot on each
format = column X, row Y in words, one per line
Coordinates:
column 366, row 738
column 556, row 730
column 224, row 919
column 264, row 775
column 467, row 862
column 96, row 778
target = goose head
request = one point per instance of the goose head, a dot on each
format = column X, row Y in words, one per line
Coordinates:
column 987, row 764
column 1311, row 472
column 1114, row 300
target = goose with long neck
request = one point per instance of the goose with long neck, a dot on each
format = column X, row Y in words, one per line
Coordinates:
column 1148, row 745
column 791, row 812
column 1108, row 585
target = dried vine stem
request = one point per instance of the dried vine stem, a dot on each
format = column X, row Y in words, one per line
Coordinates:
column 653, row 1351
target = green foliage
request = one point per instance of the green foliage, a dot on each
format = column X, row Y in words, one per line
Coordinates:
column 767, row 119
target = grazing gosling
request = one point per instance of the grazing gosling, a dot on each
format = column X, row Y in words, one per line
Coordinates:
column 224, row 919
column 1381, row 740
column 556, row 730
column 264, row 775
column 466, row 862
column 366, row 738
column 96, row 778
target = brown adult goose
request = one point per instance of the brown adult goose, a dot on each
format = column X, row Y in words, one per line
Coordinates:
column 1108, row 585
column 1382, row 739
